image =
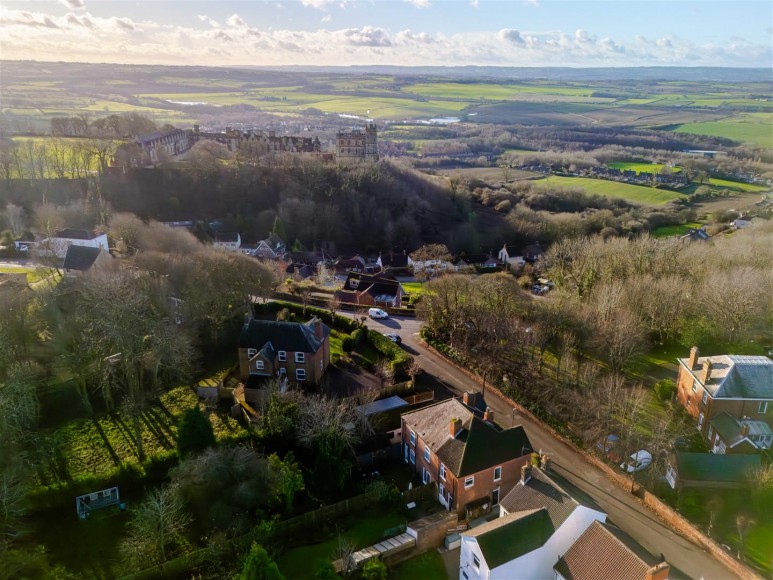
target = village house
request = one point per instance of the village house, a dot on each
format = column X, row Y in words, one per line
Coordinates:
column 709, row 470
column 731, row 435
column 292, row 350
column 394, row 261
column 469, row 461
column 508, row 256
column 371, row 290
column 227, row 240
column 80, row 259
column 58, row 244
column 154, row 148
column 272, row 248
column 741, row 386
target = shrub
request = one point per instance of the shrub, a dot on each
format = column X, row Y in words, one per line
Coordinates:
column 398, row 359
column 347, row 344
column 665, row 389
column 374, row 570
column 195, row 432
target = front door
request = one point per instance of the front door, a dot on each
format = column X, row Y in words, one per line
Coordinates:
column 495, row 496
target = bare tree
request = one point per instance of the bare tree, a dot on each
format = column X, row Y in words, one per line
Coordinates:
column 14, row 217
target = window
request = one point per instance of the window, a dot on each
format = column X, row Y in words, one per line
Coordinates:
column 466, row 577
column 469, row 482
column 321, row 365
column 413, row 438
column 251, row 352
column 694, row 385
column 475, row 562
column 281, row 355
column 498, row 473
column 700, row 420
column 413, row 456
column 442, row 472
column 259, row 365
column 425, row 478
column 705, row 398
column 282, row 371
column 300, row 374
column 426, row 454
column 763, row 408
column 688, row 404
column 710, row 434
column 300, row 357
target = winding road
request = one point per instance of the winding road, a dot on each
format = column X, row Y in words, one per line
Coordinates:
column 624, row 510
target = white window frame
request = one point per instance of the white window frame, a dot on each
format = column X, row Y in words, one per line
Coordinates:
column 281, row 355
column 498, row 477
column 300, row 357
column 282, row 371
column 427, row 453
column 251, row 352
column 412, row 438
column 425, row 477
column 762, row 408
column 476, row 561
column 300, row 374
column 694, row 385
column 412, row 456
column 259, row 365
column 705, row 398
column 701, row 417
column 469, row 482
column 442, row 472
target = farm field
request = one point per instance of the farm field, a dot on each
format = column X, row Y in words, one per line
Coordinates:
column 489, row 174
column 738, row 185
column 669, row 231
column 756, row 130
column 632, row 193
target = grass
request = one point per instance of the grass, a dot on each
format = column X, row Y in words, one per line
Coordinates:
column 415, row 289
column 678, row 230
column 34, row 274
column 759, row 544
column 100, row 445
column 364, row 530
column 757, row 133
column 483, row 91
column 633, row 193
column 641, row 167
column 428, row 566
column 737, row 185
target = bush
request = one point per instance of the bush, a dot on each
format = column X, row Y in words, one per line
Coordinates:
column 195, row 432
column 665, row 389
column 398, row 359
column 347, row 344
column 374, row 570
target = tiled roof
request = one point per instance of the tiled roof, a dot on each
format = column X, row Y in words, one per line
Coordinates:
column 394, row 260
column 717, row 468
column 540, row 492
column 736, row 376
column 604, row 551
column 287, row 336
column 80, row 257
column 478, row 446
column 512, row 536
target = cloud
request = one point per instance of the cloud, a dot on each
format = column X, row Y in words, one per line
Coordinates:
column 123, row 23
column 318, row 4
column 206, row 19
column 366, row 36
column 408, row 37
column 84, row 20
column 326, row 18
column 236, row 21
column 510, row 35
column 534, row 3
column 73, row 4
column 475, row 3
column 420, row 3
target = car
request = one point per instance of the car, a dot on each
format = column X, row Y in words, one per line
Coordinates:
column 393, row 337
column 637, row 462
column 377, row 313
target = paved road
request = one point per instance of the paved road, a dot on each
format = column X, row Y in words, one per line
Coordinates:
column 622, row 508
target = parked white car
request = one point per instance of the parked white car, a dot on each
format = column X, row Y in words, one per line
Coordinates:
column 637, row 462
column 377, row 313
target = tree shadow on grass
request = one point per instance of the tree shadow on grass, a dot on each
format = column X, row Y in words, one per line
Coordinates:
column 110, row 449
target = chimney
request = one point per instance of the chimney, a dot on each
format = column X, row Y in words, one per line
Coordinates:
column 316, row 325
column 744, row 429
column 706, row 372
column 658, row 572
column 488, row 415
column 525, row 473
column 456, row 426
column 468, row 398
column 693, row 360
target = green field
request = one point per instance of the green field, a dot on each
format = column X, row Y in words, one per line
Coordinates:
column 738, row 185
column 34, row 274
column 668, row 231
column 490, row 91
column 632, row 193
column 756, row 131
column 641, row 167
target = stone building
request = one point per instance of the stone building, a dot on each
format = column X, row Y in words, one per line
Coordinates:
column 358, row 145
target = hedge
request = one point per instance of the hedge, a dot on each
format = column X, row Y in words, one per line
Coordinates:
column 399, row 360
column 341, row 322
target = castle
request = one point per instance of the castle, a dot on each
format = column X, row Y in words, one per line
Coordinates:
column 358, row 145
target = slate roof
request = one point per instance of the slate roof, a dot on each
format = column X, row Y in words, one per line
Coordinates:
column 76, row 234
column 287, row 336
column 303, row 270
column 505, row 539
column 710, row 467
column 540, row 492
column 605, row 551
column 275, row 243
column 227, row 237
column 479, row 445
column 393, row 260
column 736, row 376
column 307, row 258
column 729, row 428
column 80, row 257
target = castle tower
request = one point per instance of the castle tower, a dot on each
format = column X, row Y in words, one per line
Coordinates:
column 371, row 142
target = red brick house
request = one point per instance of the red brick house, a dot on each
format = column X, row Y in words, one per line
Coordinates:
column 741, row 386
column 382, row 290
column 269, row 348
column 470, row 460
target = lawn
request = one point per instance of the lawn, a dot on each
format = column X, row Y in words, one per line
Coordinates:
column 678, row 230
column 363, row 530
column 758, row 133
column 633, row 193
column 415, row 289
column 34, row 274
column 738, row 185
column 641, row 167
column 428, row 566
column 99, row 446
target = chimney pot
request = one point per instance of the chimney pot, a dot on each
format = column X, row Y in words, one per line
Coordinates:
column 658, row 572
column 488, row 415
column 744, row 429
column 693, row 361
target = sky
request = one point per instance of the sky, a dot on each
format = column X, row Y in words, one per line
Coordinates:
column 578, row 33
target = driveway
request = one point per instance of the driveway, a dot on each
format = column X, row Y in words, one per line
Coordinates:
column 623, row 509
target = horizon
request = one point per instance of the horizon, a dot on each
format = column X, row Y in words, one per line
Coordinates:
column 404, row 33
